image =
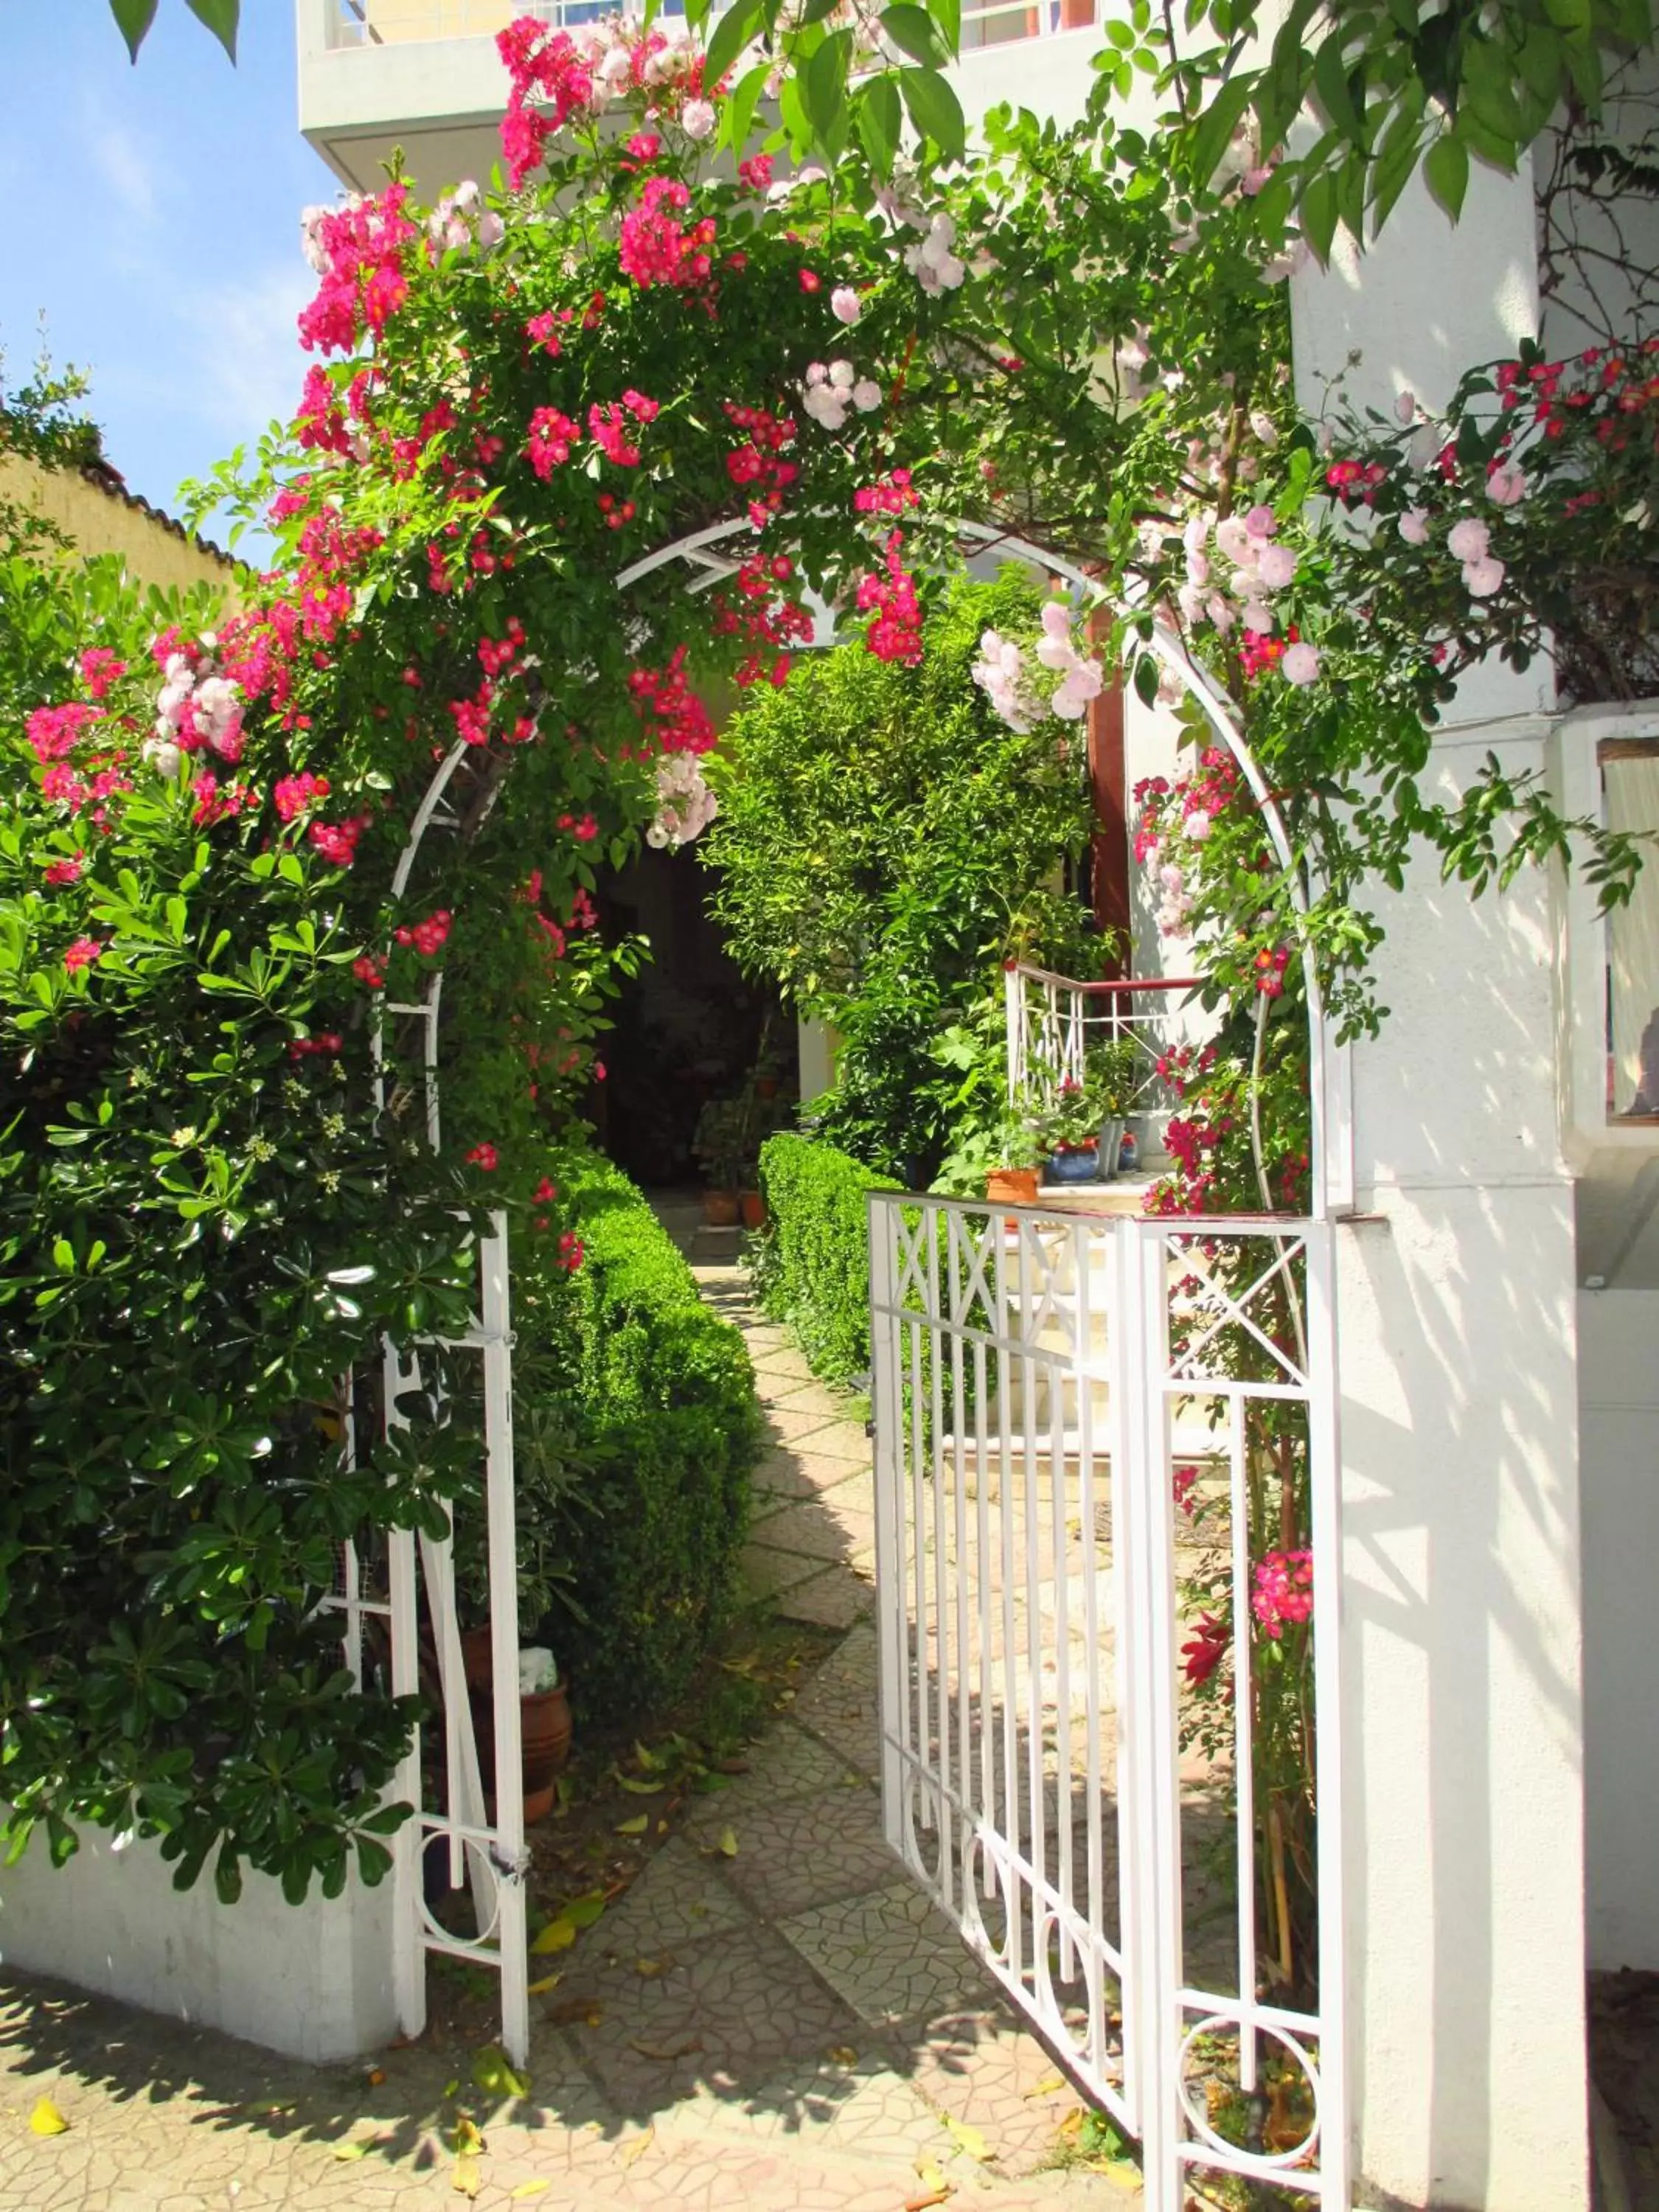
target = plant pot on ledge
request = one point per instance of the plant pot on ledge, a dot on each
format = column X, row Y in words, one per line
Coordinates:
column 754, row 1209
column 720, row 1209
column 1074, row 1163
column 543, row 1721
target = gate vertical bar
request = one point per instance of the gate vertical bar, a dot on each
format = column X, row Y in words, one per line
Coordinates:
column 1157, row 1767
column 1325, row 1488
column 511, row 1860
column 884, row 1224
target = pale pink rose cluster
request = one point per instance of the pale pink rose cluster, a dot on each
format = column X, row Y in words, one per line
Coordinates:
column 459, row 221
column 685, row 804
column 1001, row 673
column 933, row 262
column 194, row 708
column 1470, row 541
column 1233, row 568
column 832, row 390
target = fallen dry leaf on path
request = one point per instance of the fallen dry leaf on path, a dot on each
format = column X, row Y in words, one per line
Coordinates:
column 46, row 2119
column 728, row 1842
column 1046, row 2086
column 558, row 1935
column 663, row 2052
column 526, row 2189
column 968, row 2138
column 633, row 2151
column 934, row 2197
column 841, row 2054
column 468, row 2178
column 547, row 1982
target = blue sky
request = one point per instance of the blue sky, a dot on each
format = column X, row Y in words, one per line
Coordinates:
column 155, row 220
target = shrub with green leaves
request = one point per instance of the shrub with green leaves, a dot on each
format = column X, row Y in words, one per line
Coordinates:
column 813, row 1263
column 884, row 842
column 660, row 1396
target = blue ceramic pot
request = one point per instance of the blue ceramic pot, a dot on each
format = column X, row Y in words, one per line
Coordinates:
column 1072, row 1167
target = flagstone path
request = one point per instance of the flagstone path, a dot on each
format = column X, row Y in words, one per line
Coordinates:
column 790, row 2029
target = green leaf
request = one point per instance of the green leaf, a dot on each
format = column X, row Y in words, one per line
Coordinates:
column 1216, row 125
column 823, row 83
column 220, row 16
column 740, row 115
column 134, row 18
column 947, row 13
column 1319, row 214
column 880, row 119
column 935, row 110
column 911, row 29
column 732, row 34
column 1331, row 83
column 1446, row 172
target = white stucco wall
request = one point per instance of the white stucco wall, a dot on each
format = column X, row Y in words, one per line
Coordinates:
column 1618, row 1401
column 1458, row 1405
column 313, row 1981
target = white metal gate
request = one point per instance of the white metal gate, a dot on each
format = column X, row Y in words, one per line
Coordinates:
column 459, row 1844
column 1073, row 1413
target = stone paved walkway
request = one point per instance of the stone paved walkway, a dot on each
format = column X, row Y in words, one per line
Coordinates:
column 790, row 2029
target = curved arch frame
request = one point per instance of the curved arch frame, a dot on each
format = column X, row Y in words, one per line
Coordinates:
column 1330, row 1165
column 494, row 1853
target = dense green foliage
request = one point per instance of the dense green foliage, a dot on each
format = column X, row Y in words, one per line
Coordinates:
column 884, row 842
column 659, row 1397
column 812, row 1269
column 197, row 1237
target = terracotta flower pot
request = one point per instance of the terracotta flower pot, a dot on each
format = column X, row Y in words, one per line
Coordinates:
column 544, row 1730
column 1013, row 1186
column 720, row 1208
column 754, row 1210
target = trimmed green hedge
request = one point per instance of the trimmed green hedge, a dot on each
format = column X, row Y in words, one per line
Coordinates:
column 659, row 1394
column 812, row 1266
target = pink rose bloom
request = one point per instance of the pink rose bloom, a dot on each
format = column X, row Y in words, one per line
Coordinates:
column 1276, row 567
column 1483, row 577
column 1255, row 616
column 845, row 305
column 1506, row 486
column 1468, row 541
column 1405, row 408
column 1261, row 522
column 1300, row 665
column 698, row 119
column 1414, row 527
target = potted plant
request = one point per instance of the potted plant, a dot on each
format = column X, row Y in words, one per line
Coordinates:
column 1113, row 1073
column 546, row 1474
column 720, row 1143
column 1071, row 1131
column 1014, row 1156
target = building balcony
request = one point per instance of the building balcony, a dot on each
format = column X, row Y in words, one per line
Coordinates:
column 424, row 75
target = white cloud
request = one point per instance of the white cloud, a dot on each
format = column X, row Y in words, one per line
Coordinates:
column 245, row 355
column 124, row 166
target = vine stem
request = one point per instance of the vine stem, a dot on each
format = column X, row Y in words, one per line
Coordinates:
column 1282, row 1267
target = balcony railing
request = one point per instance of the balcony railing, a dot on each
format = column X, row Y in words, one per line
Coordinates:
column 1055, row 1022
column 397, row 22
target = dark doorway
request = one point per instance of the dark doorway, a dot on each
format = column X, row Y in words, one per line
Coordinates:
column 688, row 1028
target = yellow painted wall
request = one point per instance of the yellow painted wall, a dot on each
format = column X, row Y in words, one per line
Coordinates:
column 99, row 521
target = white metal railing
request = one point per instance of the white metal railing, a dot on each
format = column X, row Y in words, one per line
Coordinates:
column 1038, row 1379
column 390, row 22
column 399, row 23
column 1055, row 1022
